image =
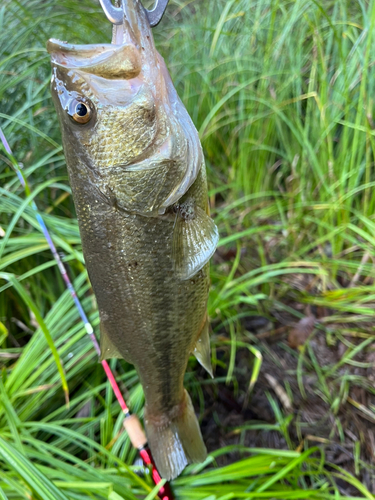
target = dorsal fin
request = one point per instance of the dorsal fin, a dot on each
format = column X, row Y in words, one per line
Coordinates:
column 108, row 349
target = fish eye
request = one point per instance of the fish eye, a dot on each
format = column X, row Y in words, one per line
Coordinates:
column 80, row 111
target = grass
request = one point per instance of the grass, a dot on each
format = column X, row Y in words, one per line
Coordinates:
column 281, row 93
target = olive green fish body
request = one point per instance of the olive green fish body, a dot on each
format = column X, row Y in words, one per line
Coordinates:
column 141, row 301
column 137, row 173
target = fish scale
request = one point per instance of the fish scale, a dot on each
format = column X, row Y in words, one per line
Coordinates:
column 164, row 314
column 122, row 123
column 139, row 185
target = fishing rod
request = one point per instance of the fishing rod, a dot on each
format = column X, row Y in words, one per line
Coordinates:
column 131, row 422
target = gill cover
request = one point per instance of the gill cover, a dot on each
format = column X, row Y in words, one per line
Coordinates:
column 140, row 145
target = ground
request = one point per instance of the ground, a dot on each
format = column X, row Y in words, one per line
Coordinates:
column 305, row 394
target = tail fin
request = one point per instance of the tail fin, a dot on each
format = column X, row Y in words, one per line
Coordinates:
column 175, row 442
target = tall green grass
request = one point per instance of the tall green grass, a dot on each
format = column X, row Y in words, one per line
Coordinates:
column 281, row 93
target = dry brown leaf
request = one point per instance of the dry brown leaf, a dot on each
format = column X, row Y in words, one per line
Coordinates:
column 300, row 333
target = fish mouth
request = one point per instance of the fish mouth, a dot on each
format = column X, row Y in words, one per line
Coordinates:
column 105, row 59
column 68, row 54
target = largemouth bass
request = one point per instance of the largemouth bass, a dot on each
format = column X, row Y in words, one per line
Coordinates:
column 138, row 178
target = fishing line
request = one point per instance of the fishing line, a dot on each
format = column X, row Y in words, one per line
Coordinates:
column 131, row 422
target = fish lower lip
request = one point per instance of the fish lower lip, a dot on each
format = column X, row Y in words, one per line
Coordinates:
column 60, row 50
column 107, row 60
column 55, row 45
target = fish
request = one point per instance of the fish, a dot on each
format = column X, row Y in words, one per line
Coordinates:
column 138, row 179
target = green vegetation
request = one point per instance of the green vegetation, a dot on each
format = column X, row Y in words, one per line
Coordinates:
column 282, row 94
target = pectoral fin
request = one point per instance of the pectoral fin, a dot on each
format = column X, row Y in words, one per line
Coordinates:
column 194, row 240
column 202, row 350
column 108, row 349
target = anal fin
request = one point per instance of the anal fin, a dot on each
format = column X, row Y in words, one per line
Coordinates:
column 202, row 349
column 194, row 239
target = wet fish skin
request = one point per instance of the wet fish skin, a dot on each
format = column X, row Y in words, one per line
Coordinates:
column 139, row 184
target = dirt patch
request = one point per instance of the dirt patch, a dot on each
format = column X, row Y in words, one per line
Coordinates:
column 311, row 391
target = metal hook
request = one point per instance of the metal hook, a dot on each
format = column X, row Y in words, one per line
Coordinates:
column 154, row 16
column 115, row 14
